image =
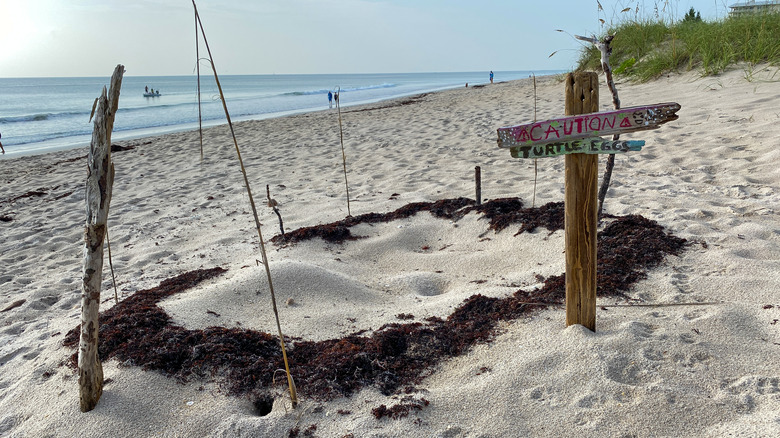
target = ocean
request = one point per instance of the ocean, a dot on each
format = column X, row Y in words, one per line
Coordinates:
column 39, row 115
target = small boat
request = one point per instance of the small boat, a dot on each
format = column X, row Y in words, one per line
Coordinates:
column 155, row 94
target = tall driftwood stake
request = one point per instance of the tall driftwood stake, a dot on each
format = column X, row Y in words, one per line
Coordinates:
column 478, row 183
column 581, row 221
column 100, row 180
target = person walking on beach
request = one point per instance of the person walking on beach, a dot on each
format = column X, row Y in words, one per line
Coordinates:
column 491, row 76
column 330, row 99
column 1, row 145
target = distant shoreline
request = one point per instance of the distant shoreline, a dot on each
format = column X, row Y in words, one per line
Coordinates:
column 83, row 140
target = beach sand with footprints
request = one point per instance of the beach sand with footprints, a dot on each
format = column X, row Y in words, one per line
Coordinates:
column 686, row 344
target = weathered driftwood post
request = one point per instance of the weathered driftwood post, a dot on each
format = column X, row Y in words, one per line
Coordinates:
column 100, row 179
column 576, row 137
column 581, row 220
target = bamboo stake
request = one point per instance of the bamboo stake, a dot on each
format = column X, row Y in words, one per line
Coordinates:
column 536, row 164
column 293, row 394
column 197, row 67
column 100, row 180
column 111, row 266
column 343, row 154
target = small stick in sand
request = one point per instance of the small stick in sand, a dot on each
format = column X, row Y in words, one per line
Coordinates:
column 272, row 203
column 478, row 183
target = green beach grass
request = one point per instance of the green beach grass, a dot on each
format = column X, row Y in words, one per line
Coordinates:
column 644, row 49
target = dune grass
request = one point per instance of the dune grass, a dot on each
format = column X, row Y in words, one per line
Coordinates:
column 644, row 49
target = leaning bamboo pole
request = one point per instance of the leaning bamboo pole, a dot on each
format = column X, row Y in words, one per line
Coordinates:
column 100, row 180
column 290, row 383
column 343, row 153
column 197, row 67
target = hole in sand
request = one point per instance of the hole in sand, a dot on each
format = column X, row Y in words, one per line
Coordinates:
column 263, row 405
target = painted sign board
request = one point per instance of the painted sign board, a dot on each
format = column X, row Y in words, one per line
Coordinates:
column 638, row 118
column 594, row 145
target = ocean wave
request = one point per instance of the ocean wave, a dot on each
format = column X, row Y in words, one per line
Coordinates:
column 347, row 89
column 37, row 117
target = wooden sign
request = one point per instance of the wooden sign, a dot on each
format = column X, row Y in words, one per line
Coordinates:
column 595, row 145
column 576, row 137
column 620, row 121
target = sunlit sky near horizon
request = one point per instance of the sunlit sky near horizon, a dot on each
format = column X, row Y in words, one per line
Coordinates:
column 51, row 38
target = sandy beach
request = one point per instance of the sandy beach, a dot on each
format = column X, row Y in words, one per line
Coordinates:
column 693, row 350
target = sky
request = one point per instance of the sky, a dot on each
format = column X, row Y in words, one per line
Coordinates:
column 63, row 38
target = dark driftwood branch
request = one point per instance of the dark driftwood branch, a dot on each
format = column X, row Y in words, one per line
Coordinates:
column 100, row 180
column 606, row 50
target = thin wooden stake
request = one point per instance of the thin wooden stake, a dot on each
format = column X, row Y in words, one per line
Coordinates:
column 478, row 183
column 197, row 67
column 581, row 222
column 100, row 180
column 111, row 266
column 293, row 392
column 343, row 154
column 536, row 161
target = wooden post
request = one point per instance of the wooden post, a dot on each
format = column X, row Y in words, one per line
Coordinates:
column 581, row 221
column 478, row 183
column 578, row 137
column 100, row 179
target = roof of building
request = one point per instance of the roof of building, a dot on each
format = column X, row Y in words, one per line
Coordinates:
column 751, row 3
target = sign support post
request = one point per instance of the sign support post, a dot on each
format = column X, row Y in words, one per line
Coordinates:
column 578, row 137
column 580, row 210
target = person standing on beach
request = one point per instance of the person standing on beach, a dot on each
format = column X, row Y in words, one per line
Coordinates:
column 330, row 99
column 1, row 145
column 491, row 76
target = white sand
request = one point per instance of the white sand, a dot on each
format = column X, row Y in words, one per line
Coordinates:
column 712, row 176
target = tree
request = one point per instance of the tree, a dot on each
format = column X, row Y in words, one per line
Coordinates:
column 692, row 16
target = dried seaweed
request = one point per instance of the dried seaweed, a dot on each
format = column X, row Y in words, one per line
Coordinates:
column 338, row 232
column 396, row 356
column 400, row 410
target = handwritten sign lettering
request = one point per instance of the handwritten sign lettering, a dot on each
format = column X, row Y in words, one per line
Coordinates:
column 596, row 145
column 621, row 121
